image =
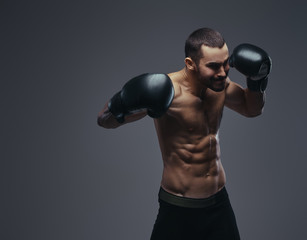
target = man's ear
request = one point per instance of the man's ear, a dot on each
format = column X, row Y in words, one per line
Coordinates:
column 190, row 64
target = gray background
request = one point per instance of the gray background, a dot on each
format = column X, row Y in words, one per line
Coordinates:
column 63, row 177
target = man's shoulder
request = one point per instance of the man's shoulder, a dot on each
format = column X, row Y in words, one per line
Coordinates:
column 175, row 78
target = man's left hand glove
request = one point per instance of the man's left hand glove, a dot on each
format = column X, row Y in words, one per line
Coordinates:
column 254, row 63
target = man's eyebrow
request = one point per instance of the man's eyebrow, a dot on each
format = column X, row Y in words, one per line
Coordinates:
column 219, row 63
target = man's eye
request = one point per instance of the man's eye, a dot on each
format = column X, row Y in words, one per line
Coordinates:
column 214, row 66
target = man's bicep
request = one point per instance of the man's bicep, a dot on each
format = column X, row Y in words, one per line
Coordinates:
column 137, row 115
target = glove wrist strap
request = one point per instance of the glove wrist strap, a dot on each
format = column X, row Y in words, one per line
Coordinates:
column 115, row 106
column 257, row 85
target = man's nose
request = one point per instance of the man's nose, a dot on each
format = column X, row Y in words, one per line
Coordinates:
column 223, row 71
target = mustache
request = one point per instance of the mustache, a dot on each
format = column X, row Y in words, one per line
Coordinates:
column 219, row 78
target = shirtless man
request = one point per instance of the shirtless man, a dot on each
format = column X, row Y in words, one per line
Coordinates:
column 187, row 108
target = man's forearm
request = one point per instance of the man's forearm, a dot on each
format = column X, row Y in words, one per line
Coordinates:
column 254, row 102
column 107, row 120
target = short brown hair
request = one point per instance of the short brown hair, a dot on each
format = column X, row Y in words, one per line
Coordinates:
column 202, row 36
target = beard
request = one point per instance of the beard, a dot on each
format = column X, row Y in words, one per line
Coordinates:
column 217, row 84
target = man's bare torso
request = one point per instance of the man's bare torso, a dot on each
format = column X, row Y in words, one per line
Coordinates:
column 188, row 138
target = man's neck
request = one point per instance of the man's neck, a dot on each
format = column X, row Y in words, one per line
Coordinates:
column 191, row 82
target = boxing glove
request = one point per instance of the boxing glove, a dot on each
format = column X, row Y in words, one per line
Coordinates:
column 153, row 92
column 254, row 63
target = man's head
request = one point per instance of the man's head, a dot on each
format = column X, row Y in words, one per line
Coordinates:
column 202, row 36
column 207, row 57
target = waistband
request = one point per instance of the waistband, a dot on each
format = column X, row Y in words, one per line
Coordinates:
column 193, row 202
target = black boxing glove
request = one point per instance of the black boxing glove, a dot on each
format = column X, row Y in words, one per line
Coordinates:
column 153, row 92
column 254, row 63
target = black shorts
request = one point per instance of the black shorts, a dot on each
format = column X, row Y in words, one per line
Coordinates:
column 182, row 218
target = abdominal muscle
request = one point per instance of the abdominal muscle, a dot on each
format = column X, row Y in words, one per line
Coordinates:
column 188, row 139
column 193, row 169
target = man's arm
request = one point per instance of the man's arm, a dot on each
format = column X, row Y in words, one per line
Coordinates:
column 255, row 64
column 244, row 101
column 149, row 94
column 107, row 120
